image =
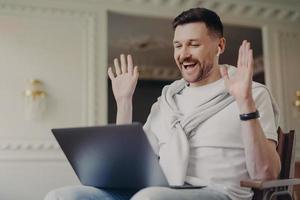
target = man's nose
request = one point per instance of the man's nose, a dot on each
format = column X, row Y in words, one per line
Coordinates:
column 185, row 54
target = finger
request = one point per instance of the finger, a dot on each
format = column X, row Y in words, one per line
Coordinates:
column 250, row 59
column 130, row 64
column 123, row 63
column 250, row 63
column 246, row 54
column 239, row 63
column 110, row 74
column 136, row 72
column 117, row 66
column 244, row 46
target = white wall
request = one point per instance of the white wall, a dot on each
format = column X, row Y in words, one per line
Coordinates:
column 63, row 43
column 38, row 43
column 33, row 179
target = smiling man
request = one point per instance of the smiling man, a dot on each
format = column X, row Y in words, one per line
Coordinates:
column 212, row 128
column 195, row 50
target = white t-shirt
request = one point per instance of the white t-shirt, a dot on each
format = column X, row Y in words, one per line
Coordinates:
column 217, row 156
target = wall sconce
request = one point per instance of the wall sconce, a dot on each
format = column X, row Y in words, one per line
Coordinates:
column 35, row 100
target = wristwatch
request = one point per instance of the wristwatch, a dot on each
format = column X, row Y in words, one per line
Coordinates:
column 248, row 116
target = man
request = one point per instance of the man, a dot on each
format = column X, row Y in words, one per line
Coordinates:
column 205, row 127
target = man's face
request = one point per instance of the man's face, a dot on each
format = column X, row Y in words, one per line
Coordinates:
column 195, row 50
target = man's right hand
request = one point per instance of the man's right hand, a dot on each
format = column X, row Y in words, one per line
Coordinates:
column 125, row 80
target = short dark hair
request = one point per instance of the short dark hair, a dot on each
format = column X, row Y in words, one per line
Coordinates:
column 209, row 17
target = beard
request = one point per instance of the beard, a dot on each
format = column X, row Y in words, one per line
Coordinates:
column 206, row 70
column 197, row 73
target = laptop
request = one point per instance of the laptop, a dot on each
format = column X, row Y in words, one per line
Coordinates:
column 112, row 156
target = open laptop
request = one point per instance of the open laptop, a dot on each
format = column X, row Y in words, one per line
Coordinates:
column 112, row 156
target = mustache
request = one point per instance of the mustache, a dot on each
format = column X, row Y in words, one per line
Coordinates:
column 181, row 61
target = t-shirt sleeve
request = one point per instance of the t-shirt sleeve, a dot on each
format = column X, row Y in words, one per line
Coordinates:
column 149, row 131
column 267, row 114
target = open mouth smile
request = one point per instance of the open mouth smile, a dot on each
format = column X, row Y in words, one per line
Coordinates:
column 188, row 65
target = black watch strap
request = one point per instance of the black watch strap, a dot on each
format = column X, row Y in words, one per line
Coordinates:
column 248, row 116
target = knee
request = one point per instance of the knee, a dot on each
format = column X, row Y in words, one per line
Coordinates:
column 76, row 193
column 150, row 193
column 52, row 195
column 65, row 193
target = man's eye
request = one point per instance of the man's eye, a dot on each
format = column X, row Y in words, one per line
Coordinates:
column 177, row 46
column 195, row 45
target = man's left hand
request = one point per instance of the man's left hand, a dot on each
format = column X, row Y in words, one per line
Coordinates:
column 240, row 84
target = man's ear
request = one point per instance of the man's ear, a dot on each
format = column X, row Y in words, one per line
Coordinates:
column 221, row 46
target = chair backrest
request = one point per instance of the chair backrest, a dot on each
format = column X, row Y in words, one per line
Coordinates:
column 286, row 151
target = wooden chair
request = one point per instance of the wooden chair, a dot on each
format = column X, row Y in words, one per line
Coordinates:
column 282, row 187
column 296, row 189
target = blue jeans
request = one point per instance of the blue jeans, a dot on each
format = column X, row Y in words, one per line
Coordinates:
column 150, row 193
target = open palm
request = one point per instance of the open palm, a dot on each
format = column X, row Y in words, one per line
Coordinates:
column 240, row 84
column 126, row 77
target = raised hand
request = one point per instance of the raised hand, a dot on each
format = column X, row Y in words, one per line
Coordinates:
column 240, row 84
column 125, row 80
